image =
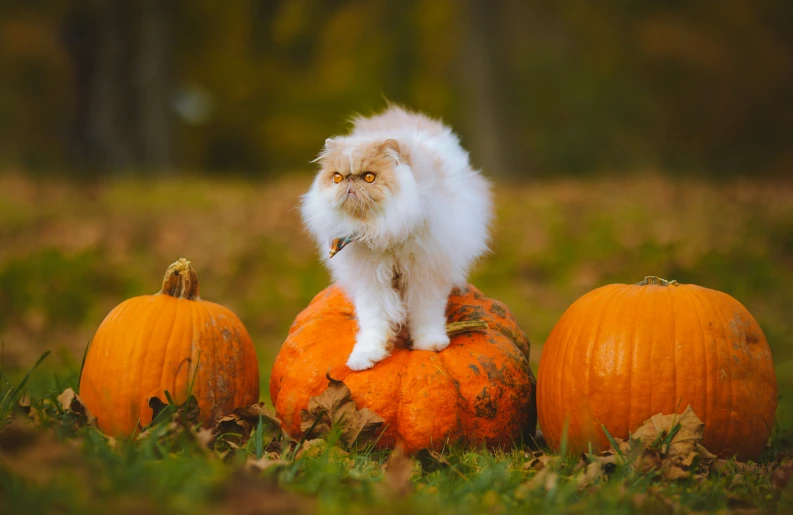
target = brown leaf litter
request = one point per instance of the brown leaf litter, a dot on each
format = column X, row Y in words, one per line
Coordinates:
column 668, row 445
column 334, row 409
column 71, row 403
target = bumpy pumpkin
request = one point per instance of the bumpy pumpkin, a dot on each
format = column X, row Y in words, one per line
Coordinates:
column 623, row 353
column 478, row 390
column 167, row 341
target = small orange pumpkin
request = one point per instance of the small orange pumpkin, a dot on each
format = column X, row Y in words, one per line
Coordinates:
column 623, row 353
column 479, row 389
column 167, row 341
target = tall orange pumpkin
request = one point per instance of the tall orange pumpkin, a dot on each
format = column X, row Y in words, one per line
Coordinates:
column 478, row 390
column 171, row 341
column 623, row 353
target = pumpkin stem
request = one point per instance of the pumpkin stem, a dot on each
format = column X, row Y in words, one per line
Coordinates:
column 657, row 281
column 463, row 326
column 180, row 281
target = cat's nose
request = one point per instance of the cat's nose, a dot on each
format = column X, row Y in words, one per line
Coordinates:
column 350, row 192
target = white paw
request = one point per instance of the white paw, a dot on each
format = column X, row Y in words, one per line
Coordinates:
column 363, row 357
column 436, row 341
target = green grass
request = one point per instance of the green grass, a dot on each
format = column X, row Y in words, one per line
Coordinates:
column 69, row 253
column 59, row 464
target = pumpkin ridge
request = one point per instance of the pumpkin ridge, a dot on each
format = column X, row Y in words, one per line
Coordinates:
column 214, row 380
column 718, row 410
column 572, row 341
column 456, row 384
column 730, row 376
column 166, row 354
column 675, row 400
column 560, row 359
column 634, row 347
column 131, row 341
column 656, row 401
column 149, row 327
column 620, row 308
column 103, row 327
column 586, row 382
column 694, row 303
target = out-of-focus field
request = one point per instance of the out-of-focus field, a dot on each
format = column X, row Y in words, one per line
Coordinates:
column 70, row 252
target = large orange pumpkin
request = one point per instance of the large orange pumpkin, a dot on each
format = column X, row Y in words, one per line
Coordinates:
column 167, row 341
column 478, row 390
column 623, row 353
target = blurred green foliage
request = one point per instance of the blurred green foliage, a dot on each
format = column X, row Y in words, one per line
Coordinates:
column 533, row 87
column 48, row 288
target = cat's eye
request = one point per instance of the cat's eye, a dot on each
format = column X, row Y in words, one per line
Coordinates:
column 337, row 177
column 369, row 177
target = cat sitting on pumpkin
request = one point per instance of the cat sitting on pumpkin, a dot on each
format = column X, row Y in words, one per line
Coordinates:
column 399, row 195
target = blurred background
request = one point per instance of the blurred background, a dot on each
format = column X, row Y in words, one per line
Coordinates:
column 624, row 139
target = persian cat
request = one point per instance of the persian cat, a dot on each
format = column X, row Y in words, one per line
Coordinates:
column 399, row 215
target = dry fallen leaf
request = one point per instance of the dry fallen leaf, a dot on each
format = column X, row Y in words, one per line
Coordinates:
column 254, row 411
column 335, row 409
column 71, row 402
column 687, row 428
column 188, row 411
column 670, row 444
column 539, row 461
column 592, row 472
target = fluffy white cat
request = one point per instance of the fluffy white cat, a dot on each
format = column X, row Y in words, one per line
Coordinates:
column 399, row 195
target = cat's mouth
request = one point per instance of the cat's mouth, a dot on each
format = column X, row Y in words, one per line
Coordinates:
column 358, row 205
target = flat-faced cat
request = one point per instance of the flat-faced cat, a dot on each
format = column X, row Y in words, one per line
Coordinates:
column 399, row 215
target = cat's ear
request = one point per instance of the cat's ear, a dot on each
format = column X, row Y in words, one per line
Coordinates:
column 392, row 148
column 330, row 143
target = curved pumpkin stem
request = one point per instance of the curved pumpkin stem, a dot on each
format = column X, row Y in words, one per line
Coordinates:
column 464, row 326
column 180, row 281
column 657, row 281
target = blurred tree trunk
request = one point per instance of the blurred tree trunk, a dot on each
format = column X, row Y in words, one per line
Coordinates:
column 110, row 133
column 121, row 120
column 153, row 92
column 483, row 79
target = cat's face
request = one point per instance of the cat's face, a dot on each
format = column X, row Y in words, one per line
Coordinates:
column 360, row 178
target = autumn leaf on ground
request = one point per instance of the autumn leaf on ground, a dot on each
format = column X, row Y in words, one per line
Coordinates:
column 188, row 411
column 170, row 421
column 334, row 409
column 72, row 403
column 538, row 461
column 668, row 443
column 254, row 411
column 243, row 420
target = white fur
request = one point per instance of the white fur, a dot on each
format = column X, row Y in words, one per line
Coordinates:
column 430, row 232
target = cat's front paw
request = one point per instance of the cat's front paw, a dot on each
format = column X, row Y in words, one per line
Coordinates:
column 435, row 341
column 363, row 357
